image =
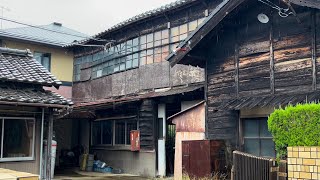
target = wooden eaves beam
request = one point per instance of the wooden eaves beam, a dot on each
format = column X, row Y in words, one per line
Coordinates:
column 307, row 3
column 218, row 14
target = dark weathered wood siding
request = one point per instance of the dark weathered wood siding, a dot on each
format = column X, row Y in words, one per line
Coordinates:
column 147, row 117
column 249, row 59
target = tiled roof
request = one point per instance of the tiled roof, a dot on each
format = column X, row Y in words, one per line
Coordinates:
column 29, row 94
column 20, row 66
column 52, row 34
column 139, row 17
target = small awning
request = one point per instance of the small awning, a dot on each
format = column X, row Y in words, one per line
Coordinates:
column 271, row 101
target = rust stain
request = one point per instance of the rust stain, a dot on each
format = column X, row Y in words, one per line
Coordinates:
column 191, row 120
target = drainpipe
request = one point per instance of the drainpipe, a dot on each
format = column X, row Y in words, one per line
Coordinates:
column 41, row 142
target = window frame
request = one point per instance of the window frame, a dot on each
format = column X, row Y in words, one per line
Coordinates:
column 140, row 45
column 13, row 159
column 42, row 55
column 113, row 144
column 242, row 132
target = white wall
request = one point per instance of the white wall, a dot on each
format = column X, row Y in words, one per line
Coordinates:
column 161, row 142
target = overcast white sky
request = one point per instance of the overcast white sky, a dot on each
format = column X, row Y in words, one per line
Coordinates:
column 87, row 16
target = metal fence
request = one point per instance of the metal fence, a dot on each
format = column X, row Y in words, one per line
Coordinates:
column 250, row 167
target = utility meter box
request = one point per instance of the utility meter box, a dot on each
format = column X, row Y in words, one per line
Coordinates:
column 135, row 140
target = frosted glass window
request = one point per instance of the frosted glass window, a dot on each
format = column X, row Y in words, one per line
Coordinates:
column 257, row 138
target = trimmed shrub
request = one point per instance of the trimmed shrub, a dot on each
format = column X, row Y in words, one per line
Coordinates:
column 297, row 125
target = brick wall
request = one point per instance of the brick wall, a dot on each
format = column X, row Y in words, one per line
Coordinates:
column 303, row 163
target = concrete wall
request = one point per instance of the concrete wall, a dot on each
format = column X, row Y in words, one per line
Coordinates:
column 156, row 75
column 139, row 163
column 303, row 163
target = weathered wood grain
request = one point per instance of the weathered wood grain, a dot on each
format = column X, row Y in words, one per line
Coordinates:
column 254, row 83
column 293, row 65
column 221, row 77
column 300, row 40
column 294, row 81
column 292, row 53
column 254, row 71
column 254, row 60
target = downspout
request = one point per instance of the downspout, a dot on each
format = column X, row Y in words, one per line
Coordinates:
column 41, row 142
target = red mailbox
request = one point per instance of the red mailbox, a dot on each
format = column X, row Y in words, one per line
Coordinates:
column 135, row 140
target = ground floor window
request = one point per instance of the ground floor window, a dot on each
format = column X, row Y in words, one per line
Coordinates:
column 257, row 138
column 17, row 139
column 112, row 132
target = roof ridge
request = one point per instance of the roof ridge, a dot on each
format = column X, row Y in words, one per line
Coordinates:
column 138, row 17
column 26, row 52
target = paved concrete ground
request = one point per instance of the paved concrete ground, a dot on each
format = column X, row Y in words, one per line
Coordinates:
column 75, row 174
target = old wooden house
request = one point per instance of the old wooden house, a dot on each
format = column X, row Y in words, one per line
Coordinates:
column 27, row 111
column 122, row 82
column 258, row 55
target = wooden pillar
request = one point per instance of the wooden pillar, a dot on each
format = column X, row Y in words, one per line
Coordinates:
column 313, row 50
column 271, row 55
column 49, row 145
column 236, row 62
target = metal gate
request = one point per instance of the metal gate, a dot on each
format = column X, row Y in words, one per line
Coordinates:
column 250, row 167
column 170, row 148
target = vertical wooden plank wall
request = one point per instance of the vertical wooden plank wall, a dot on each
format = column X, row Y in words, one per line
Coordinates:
column 293, row 54
column 250, row 59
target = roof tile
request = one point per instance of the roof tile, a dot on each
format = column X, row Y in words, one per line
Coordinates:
column 30, row 94
column 20, row 66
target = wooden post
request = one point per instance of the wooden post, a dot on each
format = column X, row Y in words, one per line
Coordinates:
column 236, row 62
column 49, row 144
column 313, row 49
column 271, row 56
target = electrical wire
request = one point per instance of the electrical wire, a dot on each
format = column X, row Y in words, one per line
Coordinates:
column 42, row 28
column 283, row 12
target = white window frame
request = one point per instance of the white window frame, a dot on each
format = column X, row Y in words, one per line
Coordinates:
column 8, row 159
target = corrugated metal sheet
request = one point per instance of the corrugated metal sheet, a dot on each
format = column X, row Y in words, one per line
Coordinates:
column 203, row 158
column 190, row 120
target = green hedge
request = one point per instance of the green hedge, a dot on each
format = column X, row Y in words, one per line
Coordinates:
column 295, row 126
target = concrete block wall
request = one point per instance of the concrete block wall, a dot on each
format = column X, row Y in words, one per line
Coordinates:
column 303, row 163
